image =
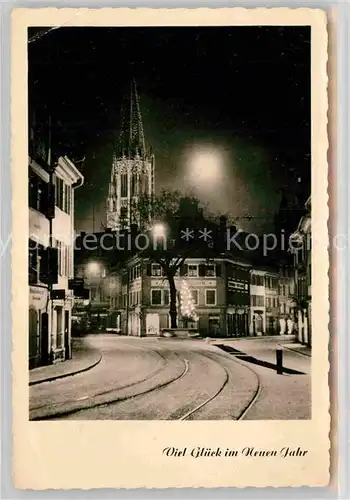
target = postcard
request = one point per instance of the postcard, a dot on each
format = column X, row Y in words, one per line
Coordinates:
column 170, row 253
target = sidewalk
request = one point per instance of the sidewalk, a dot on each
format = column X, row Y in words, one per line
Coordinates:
column 281, row 397
column 296, row 347
column 83, row 358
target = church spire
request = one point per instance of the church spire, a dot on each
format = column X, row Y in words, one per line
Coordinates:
column 131, row 138
column 133, row 168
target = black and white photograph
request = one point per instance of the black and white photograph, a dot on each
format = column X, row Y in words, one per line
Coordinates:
column 175, row 233
column 169, row 254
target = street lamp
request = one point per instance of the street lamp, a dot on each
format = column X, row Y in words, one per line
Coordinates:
column 93, row 267
column 158, row 230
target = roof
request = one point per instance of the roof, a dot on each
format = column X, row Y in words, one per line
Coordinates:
column 131, row 139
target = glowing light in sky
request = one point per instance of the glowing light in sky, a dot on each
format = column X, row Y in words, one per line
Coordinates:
column 205, row 166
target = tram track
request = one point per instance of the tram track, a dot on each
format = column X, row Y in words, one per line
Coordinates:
column 188, row 415
column 168, row 384
column 109, row 391
column 210, row 399
column 66, row 413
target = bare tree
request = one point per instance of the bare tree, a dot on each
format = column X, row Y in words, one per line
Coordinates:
column 167, row 217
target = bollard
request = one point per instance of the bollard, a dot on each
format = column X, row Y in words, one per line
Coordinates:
column 279, row 361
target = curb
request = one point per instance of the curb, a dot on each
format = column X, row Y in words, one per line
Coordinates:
column 295, row 350
column 68, row 374
column 261, row 337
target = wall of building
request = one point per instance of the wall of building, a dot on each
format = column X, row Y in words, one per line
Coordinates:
column 303, row 276
column 257, row 320
column 50, row 318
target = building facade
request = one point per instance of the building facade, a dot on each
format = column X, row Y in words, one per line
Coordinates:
column 257, row 303
column 219, row 292
column 100, row 311
column 51, row 237
column 302, row 251
column 229, row 297
column 287, row 312
column 271, row 303
column 133, row 168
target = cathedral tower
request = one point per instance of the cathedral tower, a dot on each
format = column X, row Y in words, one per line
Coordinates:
column 133, row 167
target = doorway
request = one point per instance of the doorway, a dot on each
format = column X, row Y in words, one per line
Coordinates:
column 44, row 338
column 214, row 326
column 152, row 324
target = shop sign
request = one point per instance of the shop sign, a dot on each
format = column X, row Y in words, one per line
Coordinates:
column 37, row 297
column 59, row 294
column 237, row 285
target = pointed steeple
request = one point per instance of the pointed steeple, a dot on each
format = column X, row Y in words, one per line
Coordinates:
column 131, row 139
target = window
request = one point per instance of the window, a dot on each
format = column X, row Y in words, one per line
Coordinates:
column 210, row 270
column 156, row 270
column 59, row 192
column 68, row 262
column 124, row 185
column 63, row 195
column 195, row 297
column 257, row 280
column 37, row 188
column 67, row 199
column 270, row 283
column 257, row 300
column 135, row 272
column 192, row 270
column 160, row 297
column 57, row 244
column 156, row 297
column 33, row 262
column 134, row 185
column 93, row 293
column 210, row 297
column 64, row 258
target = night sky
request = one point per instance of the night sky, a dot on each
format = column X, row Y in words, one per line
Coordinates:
column 243, row 91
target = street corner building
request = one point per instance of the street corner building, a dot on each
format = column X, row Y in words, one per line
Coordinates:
column 223, row 297
column 51, row 184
